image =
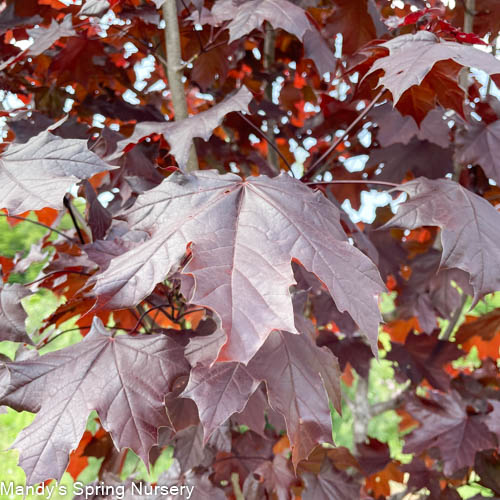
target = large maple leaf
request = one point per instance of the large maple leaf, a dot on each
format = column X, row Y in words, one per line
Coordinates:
column 244, row 235
column 247, row 16
column 38, row 173
column 180, row 134
column 411, row 57
column 469, row 225
column 123, row 378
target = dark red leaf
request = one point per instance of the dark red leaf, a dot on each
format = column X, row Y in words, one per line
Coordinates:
column 123, row 378
column 252, row 214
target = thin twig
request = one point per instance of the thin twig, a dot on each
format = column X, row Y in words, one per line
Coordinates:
column 86, row 327
column 64, row 271
column 354, row 181
column 239, row 457
column 266, row 138
column 189, row 311
column 144, row 314
column 174, row 71
column 18, row 217
column 161, row 308
column 39, row 345
column 317, row 166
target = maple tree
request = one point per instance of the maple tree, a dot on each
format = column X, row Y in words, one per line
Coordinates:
column 198, row 184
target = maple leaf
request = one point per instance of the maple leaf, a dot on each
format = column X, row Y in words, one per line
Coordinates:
column 38, row 173
column 469, row 228
column 446, row 424
column 396, row 128
column 44, row 38
column 247, row 16
column 257, row 414
column 479, row 145
column 94, row 8
column 487, row 466
column 418, row 157
column 486, row 327
column 303, row 380
column 12, row 314
column 219, row 392
column 411, row 57
column 306, row 378
column 180, row 134
column 98, row 216
column 329, row 484
column 123, row 378
column 493, row 419
column 189, row 448
column 423, row 356
column 277, row 476
column 244, row 235
column 353, row 20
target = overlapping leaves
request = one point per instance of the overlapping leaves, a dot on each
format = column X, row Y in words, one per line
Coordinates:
column 124, row 378
column 244, row 235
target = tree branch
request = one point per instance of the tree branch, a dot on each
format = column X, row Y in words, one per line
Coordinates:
column 469, row 13
column 269, row 50
column 317, row 167
column 174, row 71
column 361, row 411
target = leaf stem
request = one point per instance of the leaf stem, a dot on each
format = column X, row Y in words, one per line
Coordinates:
column 67, row 204
column 63, row 271
column 354, row 181
column 267, row 139
column 317, row 167
column 40, row 345
column 18, row 217
column 144, row 314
